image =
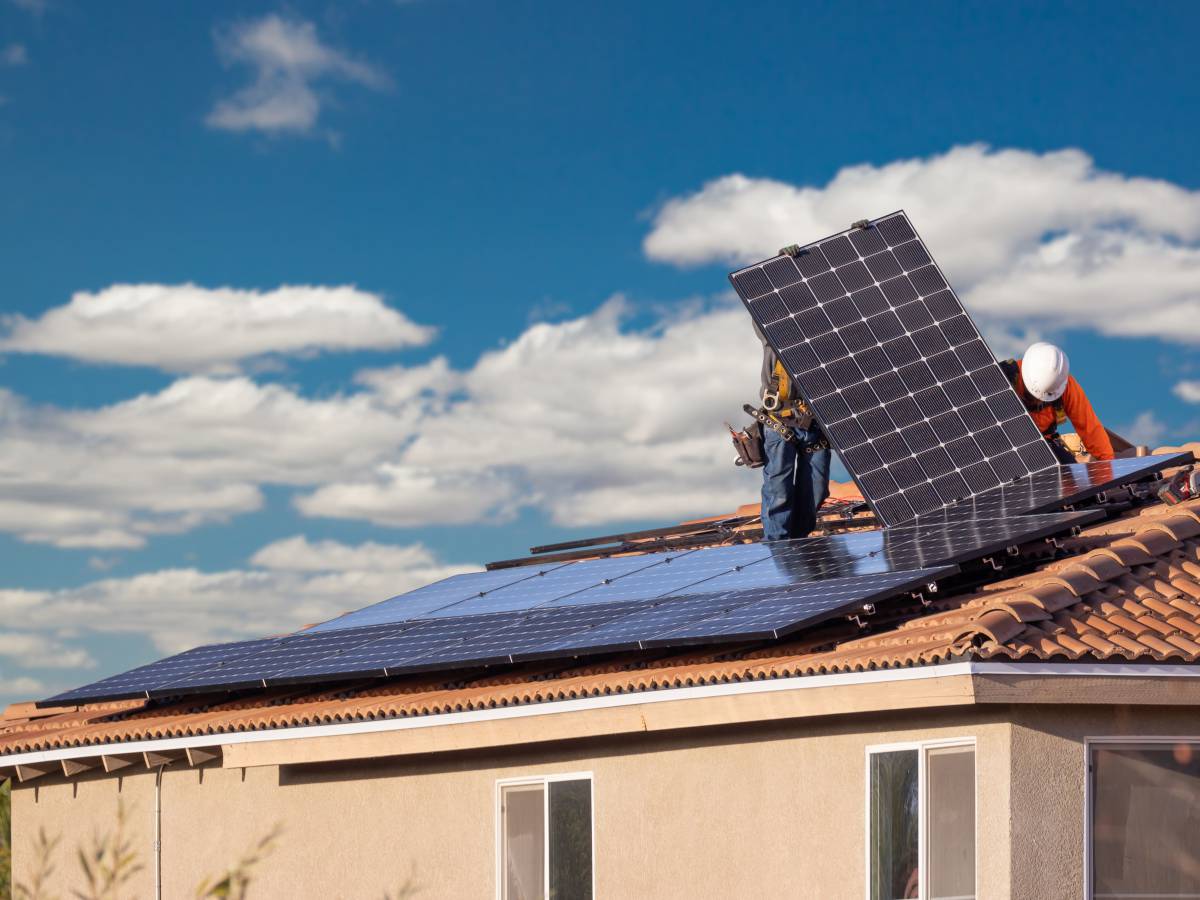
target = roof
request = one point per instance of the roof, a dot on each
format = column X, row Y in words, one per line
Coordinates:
column 1127, row 590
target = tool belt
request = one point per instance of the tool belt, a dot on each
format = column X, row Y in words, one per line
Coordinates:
column 748, row 442
column 785, row 426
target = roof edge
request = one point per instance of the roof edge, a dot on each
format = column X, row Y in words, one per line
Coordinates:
column 638, row 698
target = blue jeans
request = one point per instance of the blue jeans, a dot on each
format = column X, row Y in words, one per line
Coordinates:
column 795, row 484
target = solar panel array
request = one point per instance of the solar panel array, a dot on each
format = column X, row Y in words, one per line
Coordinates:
column 739, row 592
column 901, row 380
column 908, row 394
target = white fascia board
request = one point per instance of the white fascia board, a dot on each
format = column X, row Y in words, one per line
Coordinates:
column 634, row 698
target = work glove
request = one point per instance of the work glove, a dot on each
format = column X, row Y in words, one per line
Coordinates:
column 790, row 250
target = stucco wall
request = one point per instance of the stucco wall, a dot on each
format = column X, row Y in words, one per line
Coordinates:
column 1049, row 780
column 761, row 811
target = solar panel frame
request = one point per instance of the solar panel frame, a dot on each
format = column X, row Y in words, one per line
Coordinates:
column 911, row 314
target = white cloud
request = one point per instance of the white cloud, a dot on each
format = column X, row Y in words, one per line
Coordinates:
column 1188, row 391
column 290, row 583
column 1146, row 429
column 14, row 55
column 586, row 420
column 289, row 60
column 196, row 452
column 188, row 328
column 37, row 651
column 21, row 687
column 1038, row 240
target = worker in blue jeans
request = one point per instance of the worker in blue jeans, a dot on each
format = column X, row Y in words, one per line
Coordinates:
column 796, row 473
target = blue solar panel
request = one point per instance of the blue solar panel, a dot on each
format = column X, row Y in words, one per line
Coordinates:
column 1058, row 487
column 755, row 615
column 568, row 581
column 428, row 600
column 137, row 682
column 636, row 601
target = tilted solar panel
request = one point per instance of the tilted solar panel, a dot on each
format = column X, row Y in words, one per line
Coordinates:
column 901, row 380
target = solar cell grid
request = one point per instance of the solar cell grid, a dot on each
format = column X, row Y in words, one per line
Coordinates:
column 879, row 344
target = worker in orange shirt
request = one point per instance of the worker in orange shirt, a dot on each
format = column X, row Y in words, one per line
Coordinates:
column 1045, row 385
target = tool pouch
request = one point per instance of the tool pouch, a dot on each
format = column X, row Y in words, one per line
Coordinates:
column 749, row 446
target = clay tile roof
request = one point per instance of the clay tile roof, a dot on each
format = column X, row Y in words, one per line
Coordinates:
column 1128, row 592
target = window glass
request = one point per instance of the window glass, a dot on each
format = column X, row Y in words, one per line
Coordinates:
column 950, row 811
column 1146, row 821
column 522, row 810
column 894, row 823
column 571, row 840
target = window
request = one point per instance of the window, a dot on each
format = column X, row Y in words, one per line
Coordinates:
column 1145, row 819
column 545, row 838
column 921, row 822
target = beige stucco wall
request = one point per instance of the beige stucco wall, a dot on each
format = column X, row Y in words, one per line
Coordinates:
column 754, row 811
column 1049, row 780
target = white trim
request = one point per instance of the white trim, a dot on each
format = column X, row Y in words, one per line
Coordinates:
column 544, row 781
column 921, row 748
column 1089, row 784
column 633, row 698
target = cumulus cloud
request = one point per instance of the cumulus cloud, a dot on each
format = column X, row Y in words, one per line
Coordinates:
column 587, row 420
column 1042, row 240
column 38, row 651
column 196, row 452
column 289, row 61
column 1146, row 429
column 288, row 584
column 14, row 55
column 1188, row 391
column 188, row 328
column 526, row 426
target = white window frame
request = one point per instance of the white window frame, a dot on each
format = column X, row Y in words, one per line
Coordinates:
column 1089, row 784
column 922, row 748
column 545, row 781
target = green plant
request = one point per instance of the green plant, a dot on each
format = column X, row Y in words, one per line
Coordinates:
column 235, row 884
column 43, row 852
column 108, row 862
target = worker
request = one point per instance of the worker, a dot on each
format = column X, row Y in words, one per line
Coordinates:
column 1045, row 385
column 796, row 473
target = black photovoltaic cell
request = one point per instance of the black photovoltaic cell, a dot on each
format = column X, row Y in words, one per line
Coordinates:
column 765, row 588
column 883, row 351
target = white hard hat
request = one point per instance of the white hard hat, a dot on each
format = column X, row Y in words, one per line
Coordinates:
column 1044, row 369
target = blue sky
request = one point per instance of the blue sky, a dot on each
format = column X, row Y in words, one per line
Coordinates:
column 491, row 240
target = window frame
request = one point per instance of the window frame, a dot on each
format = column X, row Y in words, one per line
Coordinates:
column 1089, row 783
column 544, row 781
column 922, row 748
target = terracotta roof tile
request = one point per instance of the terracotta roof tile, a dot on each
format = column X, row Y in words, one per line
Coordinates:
column 1127, row 592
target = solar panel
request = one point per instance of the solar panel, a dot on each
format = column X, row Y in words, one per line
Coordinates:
column 138, row 682
column 901, row 380
column 674, row 620
column 432, row 597
column 777, row 613
column 778, row 586
column 1058, row 487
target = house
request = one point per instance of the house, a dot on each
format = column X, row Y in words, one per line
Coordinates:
column 1032, row 736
